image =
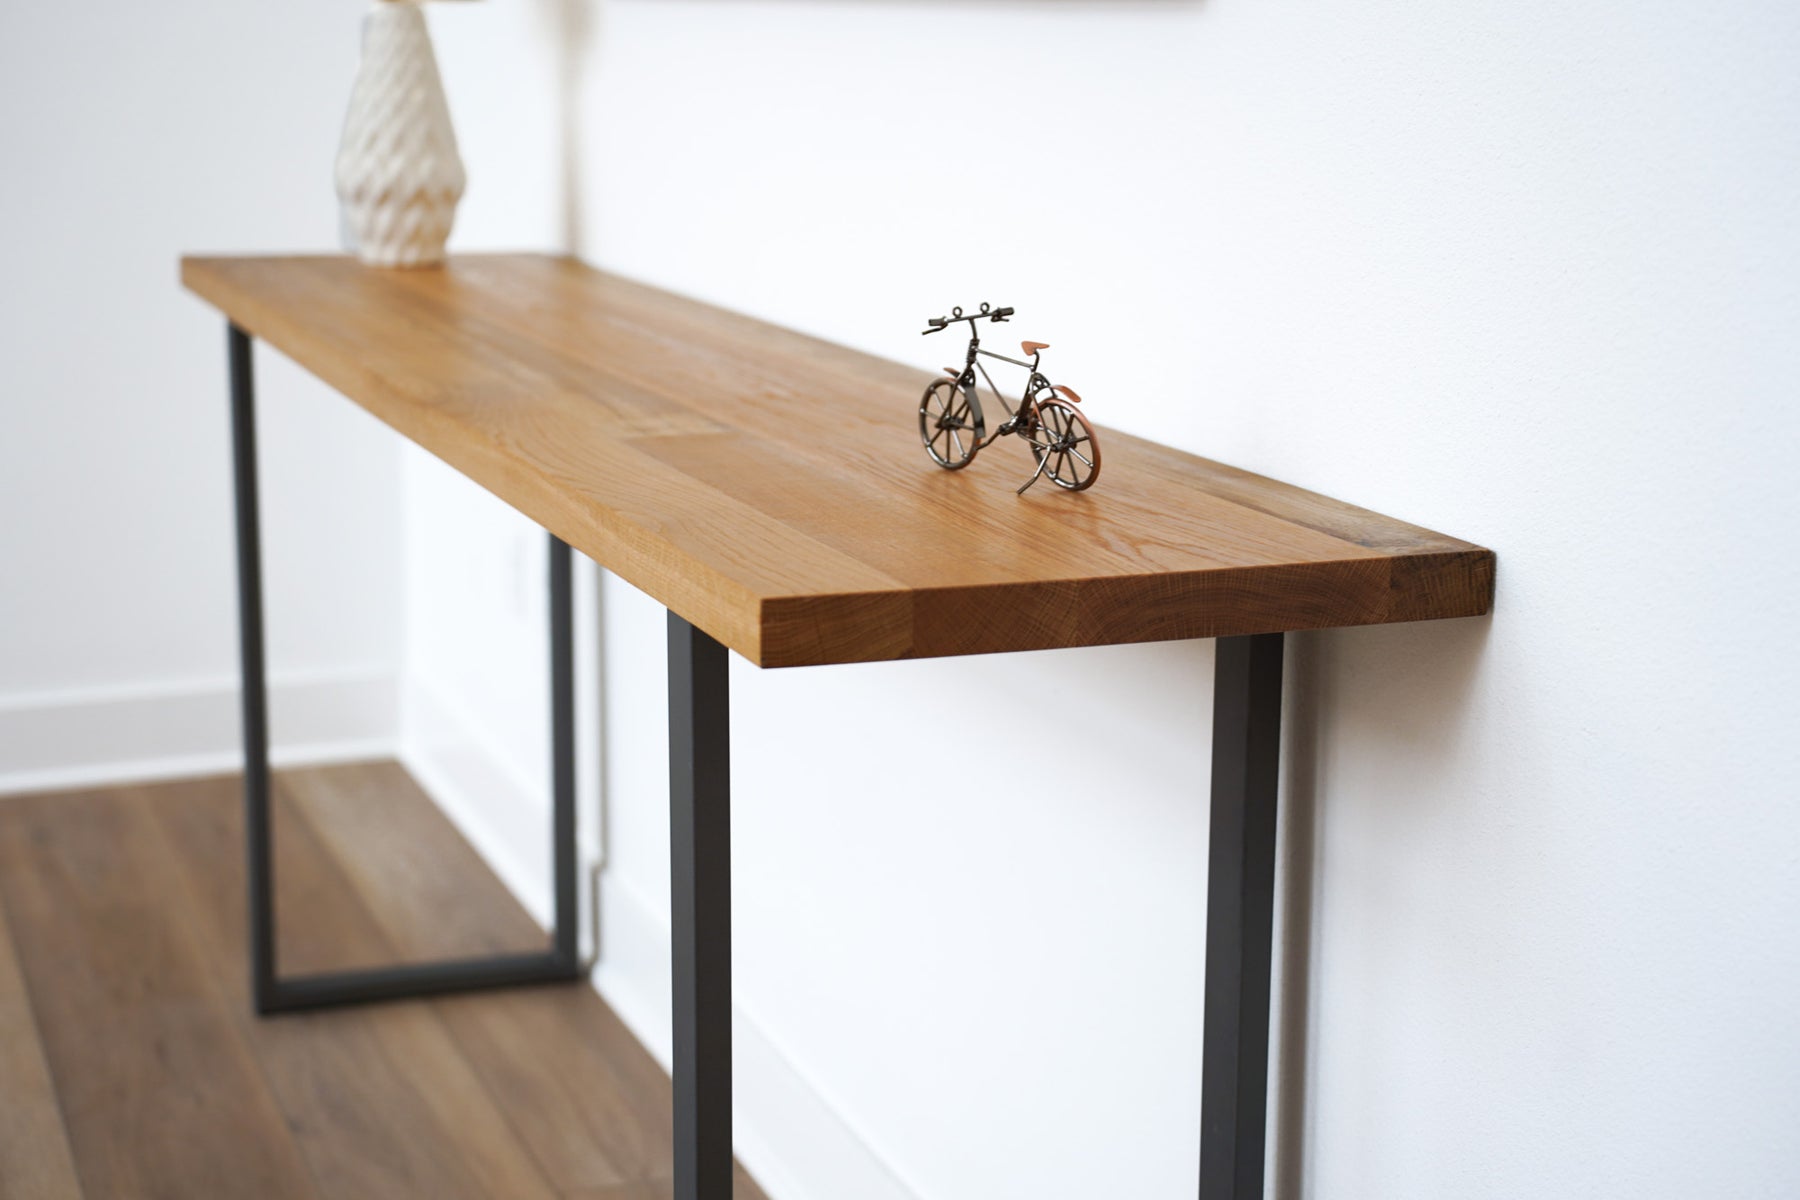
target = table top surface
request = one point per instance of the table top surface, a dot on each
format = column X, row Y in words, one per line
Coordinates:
column 771, row 489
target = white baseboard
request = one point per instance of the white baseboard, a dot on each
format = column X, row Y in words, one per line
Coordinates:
column 789, row 1136
column 91, row 737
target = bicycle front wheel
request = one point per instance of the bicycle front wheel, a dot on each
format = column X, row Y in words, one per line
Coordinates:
column 950, row 424
column 1064, row 437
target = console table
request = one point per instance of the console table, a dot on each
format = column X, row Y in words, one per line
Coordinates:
column 770, row 490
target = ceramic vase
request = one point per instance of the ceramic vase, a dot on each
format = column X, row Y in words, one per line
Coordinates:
column 399, row 176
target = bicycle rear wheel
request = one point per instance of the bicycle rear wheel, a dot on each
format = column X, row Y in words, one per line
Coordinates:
column 1064, row 437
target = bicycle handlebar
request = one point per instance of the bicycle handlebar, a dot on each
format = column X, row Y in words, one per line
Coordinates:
column 939, row 324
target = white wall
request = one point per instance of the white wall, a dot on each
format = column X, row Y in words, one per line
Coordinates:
column 1521, row 271
column 132, row 133
column 475, row 674
column 131, row 136
column 1516, row 270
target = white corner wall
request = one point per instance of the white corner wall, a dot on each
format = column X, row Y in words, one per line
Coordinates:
column 130, row 134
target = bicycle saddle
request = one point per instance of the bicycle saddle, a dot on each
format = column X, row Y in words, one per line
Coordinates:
column 1034, row 347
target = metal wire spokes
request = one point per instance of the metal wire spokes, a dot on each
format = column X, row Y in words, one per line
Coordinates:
column 1065, row 446
column 948, row 425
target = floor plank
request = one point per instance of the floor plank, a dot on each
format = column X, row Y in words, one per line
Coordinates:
column 35, row 1161
column 426, row 887
column 380, row 1100
column 128, row 919
column 583, row 1092
column 159, row 1093
column 567, row 1070
column 742, row 1186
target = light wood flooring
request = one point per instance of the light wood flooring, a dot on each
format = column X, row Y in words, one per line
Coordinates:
column 131, row 1064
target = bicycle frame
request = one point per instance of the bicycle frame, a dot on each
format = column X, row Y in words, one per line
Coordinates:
column 1034, row 385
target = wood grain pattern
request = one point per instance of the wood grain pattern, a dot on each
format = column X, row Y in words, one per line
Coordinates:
column 35, row 1161
column 742, row 1188
column 769, row 487
column 382, row 1105
column 126, row 912
column 592, row 1104
column 159, row 1094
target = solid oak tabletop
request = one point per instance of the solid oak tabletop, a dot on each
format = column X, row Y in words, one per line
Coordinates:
column 771, row 489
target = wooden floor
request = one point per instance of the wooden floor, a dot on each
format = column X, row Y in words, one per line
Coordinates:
column 131, row 1065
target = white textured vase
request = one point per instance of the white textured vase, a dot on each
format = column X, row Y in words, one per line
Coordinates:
column 398, row 174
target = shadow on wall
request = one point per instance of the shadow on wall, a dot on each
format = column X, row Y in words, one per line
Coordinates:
column 1433, row 667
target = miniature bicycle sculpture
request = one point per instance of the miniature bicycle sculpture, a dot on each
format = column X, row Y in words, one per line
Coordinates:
column 953, row 428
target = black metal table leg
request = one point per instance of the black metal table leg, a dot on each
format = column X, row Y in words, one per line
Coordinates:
column 1240, row 907
column 271, row 993
column 700, row 879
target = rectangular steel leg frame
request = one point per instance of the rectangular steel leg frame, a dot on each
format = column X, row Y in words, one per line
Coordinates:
column 1239, row 913
column 273, row 994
